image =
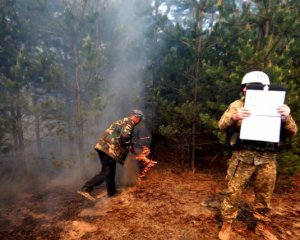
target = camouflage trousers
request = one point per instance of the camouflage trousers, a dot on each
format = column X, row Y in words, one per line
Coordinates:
column 239, row 172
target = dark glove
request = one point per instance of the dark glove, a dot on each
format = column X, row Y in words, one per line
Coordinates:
column 126, row 140
column 131, row 148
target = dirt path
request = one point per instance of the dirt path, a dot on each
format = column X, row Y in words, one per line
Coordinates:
column 167, row 204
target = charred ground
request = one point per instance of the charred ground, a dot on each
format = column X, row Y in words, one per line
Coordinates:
column 169, row 203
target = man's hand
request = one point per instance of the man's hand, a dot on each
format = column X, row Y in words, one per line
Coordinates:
column 241, row 113
column 284, row 111
column 131, row 149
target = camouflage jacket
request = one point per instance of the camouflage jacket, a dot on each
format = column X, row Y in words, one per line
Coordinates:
column 226, row 124
column 116, row 139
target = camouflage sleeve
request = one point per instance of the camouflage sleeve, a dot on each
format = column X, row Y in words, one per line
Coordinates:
column 290, row 126
column 226, row 121
column 126, row 133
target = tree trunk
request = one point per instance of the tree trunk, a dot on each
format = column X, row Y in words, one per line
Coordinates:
column 38, row 138
column 14, row 135
column 154, row 71
column 268, row 35
column 199, row 17
column 69, row 117
column 97, row 26
column 79, row 120
column 21, row 146
column 18, row 136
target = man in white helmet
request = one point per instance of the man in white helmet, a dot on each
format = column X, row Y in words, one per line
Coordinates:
column 252, row 157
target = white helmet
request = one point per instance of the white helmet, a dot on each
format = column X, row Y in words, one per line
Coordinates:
column 256, row 77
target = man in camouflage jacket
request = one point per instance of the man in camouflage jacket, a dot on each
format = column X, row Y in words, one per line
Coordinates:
column 112, row 147
column 249, row 159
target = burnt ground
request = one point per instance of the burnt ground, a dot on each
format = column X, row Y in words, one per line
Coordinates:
column 169, row 203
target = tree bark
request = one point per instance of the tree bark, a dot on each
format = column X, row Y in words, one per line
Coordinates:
column 79, row 120
column 154, row 71
column 199, row 17
column 79, row 117
column 18, row 136
column 38, row 138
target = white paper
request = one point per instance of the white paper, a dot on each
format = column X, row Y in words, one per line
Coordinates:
column 264, row 122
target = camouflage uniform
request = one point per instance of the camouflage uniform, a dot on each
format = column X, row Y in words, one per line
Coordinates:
column 115, row 140
column 112, row 147
column 243, row 164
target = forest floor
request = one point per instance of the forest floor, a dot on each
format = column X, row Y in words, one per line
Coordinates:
column 169, row 203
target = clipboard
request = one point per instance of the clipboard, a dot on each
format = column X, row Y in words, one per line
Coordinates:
column 264, row 123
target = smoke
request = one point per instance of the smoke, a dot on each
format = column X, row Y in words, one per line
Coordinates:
column 130, row 171
column 123, row 88
column 128, row 61
column 122, row 91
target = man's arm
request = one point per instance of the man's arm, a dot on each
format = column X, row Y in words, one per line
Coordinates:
column 288, row 122
column 233, row 115
column 126, row 135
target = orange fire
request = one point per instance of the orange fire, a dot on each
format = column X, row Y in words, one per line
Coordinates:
column 145, row 163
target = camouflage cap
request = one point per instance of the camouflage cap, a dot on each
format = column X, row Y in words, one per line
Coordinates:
column 137, row 113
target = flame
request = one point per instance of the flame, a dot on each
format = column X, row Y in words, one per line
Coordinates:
column 146, row 163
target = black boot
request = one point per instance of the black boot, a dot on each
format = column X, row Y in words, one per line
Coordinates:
column 114, row 194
